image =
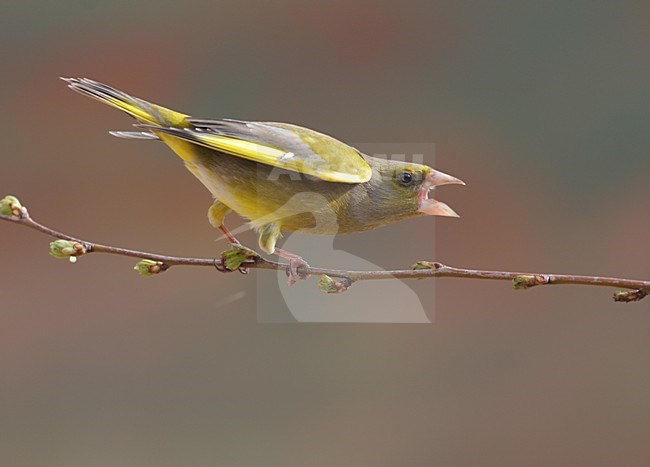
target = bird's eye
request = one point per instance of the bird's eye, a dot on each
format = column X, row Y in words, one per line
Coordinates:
column 405, row 178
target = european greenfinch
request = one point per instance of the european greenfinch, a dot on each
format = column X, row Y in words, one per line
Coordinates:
column 282, row 177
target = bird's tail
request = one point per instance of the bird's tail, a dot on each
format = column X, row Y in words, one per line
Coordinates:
column 142, row 111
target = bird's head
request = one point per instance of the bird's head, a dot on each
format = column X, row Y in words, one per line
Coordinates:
column 402, row 189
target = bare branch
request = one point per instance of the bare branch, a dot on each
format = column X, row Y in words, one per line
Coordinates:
column 331, row 280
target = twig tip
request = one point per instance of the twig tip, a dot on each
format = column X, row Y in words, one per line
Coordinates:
column 10, row 206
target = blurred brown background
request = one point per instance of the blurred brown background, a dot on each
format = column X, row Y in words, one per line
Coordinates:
column 541, row 107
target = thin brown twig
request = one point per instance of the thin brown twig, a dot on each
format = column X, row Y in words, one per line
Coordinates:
column 635, row 289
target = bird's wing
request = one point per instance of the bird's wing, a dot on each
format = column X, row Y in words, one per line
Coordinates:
column 280, row 145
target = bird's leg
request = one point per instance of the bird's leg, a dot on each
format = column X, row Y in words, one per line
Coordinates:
column 216, row 214
column 231, row 238
column 269, row 235
column 295, row 262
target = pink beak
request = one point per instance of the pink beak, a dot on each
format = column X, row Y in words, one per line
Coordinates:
column 433, row 207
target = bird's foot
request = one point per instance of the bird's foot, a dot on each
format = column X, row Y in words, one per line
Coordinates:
column 294, row 275
column 295, row 263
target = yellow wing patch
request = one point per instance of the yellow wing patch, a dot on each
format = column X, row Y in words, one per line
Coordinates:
column 342, row 167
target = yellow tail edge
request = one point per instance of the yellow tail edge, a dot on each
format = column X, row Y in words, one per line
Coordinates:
column 141, row 110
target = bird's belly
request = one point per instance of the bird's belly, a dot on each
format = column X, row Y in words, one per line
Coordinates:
column 262, row 200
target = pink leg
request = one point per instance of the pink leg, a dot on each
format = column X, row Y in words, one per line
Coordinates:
column 231, row 238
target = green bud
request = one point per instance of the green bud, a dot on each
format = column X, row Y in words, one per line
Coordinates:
column 67, row 249
column 233, row 259
column 526, row 281
column 425, row 265
column 329, row 285
column 630, row 295
column 147, row 267
column 521, row 282
column 10, row 206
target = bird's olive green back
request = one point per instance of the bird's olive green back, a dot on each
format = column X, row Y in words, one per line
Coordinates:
column 280, row 145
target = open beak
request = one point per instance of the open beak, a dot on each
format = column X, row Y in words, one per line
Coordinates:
column 431, row 206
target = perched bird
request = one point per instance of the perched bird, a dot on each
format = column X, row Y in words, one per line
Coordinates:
column 282, row 177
